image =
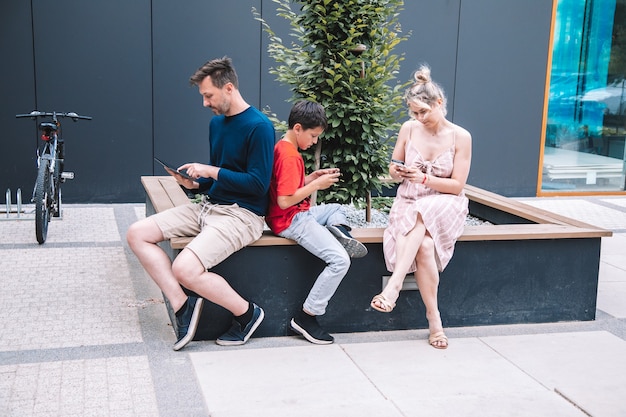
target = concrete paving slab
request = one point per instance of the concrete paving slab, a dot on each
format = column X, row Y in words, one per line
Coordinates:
column 93, row 223
column 66, row 297
column 618, row 201
column 618, row 261
column 98, row 387
column 467, row 379
column 610, row 273
column 614, row 245
column 292, row 382
column 611, row 296
column 140, row 212
column 587, row 368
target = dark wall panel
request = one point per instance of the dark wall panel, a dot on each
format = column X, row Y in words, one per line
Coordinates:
column 433, row 29
column 95, row 60
column 274, row 96
column 17, row 95
column 501, row 74
column 185, row 37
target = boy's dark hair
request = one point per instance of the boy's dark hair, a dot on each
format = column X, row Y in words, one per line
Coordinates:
column 309, row 114
column 220, row 70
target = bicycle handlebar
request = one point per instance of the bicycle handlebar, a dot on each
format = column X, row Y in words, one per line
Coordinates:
column 72, row 115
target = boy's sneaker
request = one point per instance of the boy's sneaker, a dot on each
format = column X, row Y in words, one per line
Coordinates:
column 308, row 327
column 354, row 248
column 187, row 323
column 235, row 335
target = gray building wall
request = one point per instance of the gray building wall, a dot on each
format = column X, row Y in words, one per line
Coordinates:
column 127, row 64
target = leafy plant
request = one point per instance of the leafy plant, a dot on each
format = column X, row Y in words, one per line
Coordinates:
column 342, row 57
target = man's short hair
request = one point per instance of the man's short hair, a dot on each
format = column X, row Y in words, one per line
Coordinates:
column 220, row 70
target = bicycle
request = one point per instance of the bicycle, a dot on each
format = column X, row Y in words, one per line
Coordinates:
column 50, row 173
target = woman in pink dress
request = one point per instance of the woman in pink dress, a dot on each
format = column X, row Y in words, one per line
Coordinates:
column 432, row 158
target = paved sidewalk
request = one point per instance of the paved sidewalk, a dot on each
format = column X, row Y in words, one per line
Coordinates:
column 85, row 333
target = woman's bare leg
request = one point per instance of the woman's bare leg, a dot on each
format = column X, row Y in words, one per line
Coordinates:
column 407, row 247
column 427, row 278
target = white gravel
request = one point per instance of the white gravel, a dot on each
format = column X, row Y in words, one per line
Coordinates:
column 356, row 218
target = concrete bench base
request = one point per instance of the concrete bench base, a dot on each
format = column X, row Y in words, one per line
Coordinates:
column 486, row 283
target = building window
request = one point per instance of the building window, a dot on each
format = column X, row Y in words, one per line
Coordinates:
column 584, row 148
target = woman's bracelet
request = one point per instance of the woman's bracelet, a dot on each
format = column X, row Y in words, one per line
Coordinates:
column 425, row 178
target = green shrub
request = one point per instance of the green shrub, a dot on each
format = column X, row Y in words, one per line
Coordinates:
column 358, row 91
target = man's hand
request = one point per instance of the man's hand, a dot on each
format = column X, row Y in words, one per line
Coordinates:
column 185, row 182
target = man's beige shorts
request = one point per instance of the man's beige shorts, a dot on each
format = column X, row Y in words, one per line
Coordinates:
column 219, row 230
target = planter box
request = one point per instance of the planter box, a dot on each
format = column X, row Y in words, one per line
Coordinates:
column 529, row 266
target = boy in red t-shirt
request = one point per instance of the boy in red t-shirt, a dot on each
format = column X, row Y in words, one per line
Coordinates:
column 319, row 229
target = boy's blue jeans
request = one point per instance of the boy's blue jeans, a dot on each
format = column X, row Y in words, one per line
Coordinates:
column 307, row 228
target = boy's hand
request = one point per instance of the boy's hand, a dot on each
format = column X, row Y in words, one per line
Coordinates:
column 326, row 180
column 320, row 172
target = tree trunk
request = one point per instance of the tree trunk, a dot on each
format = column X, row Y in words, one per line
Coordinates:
column 318, row 165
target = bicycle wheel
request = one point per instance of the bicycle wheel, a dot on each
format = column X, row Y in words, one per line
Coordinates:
column 42, row 195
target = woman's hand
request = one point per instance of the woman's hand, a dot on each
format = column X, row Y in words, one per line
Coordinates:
column 411, row 174
column 396, row 171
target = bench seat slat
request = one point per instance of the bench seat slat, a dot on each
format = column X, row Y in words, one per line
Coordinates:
column 519, row 208
column 158, row 195
column 173, row 190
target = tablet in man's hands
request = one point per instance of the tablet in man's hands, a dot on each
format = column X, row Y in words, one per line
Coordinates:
column 170, row 167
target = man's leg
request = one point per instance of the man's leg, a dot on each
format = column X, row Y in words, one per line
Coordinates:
column 142, row 238
column 226, row 230
column 190, row 272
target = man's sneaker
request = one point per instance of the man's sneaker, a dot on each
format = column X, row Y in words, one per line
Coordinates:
column 354, row 248
column 235, row 335
column 187, row 323
column 308, row 327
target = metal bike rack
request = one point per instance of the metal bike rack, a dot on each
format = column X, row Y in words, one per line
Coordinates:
column 9, row 211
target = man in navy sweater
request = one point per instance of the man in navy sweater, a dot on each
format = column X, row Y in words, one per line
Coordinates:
column 235, row 185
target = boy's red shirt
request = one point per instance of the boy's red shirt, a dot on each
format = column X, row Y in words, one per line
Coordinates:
column 287, row 177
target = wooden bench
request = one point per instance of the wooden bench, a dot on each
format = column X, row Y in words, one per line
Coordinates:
column 163, row 192
column 531, row 265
